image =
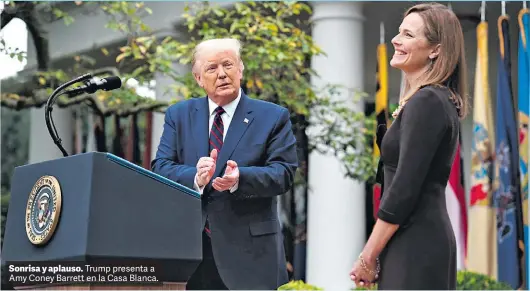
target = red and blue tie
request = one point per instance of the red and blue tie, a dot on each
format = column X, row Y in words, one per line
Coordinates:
column 216, row 133
column 216, row 142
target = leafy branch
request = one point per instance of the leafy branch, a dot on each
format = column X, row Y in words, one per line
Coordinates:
column 276, row 52
column 12, row 52
column 340, row 130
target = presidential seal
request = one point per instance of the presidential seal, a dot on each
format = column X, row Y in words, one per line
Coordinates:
column 43, row 210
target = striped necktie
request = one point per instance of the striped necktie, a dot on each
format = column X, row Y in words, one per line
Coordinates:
column 216, row 142
column 216, row 133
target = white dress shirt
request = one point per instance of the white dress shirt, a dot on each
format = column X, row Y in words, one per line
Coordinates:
column 227, row 116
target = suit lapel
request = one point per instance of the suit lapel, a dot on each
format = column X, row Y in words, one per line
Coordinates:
column 199, row 122
column 240, row 122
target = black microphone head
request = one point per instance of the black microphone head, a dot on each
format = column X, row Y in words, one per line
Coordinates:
column 111, row 83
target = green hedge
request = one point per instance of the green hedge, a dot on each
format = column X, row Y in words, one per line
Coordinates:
column 466, row 280
column 298, row 285
column 472, row 281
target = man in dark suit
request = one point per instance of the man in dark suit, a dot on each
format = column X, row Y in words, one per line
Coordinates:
column 240, row 154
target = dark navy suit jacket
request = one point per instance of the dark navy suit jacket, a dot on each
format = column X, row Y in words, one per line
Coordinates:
column 245, row 230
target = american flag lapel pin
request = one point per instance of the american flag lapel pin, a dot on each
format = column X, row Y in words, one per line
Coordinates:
column 245, row 121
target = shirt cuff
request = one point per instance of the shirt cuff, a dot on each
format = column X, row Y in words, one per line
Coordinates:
column 234, row 188
column 196, row 186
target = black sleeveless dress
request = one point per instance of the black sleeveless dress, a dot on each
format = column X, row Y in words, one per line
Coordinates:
column 418, row 151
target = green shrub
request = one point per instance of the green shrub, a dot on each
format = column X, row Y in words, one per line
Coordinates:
column 466, row 280
column 374, row 287
column 298, row 285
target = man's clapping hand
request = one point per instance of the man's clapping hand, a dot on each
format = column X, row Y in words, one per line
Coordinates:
column 230, row 178
column 206, row 168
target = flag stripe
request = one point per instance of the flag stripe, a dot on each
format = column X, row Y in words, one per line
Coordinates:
column 381, row 110
column 456, row 208
column 381, row 96
column 481, row 250
column 524, row 112
column 507, row 190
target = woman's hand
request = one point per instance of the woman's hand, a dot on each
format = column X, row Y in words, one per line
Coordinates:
column 365, row 272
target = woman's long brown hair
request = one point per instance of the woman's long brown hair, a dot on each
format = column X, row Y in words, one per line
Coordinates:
column 449, row 69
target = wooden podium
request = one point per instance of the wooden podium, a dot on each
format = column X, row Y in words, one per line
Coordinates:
column 100, row 210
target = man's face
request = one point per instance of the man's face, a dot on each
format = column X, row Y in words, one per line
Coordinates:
column 219, row 73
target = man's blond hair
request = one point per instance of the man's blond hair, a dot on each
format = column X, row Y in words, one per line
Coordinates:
column 217, row 44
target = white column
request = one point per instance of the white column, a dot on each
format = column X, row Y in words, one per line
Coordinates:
column 91, row 140
column 41, row 146
column 161, row 93
column 336, row 206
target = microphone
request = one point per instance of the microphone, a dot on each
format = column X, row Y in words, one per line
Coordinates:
column 94, row 84
column 91, row 85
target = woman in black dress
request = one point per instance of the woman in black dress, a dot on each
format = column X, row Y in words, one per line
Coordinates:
column 412, row 245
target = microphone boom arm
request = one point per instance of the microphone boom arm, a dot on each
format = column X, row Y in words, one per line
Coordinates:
column 49, row 107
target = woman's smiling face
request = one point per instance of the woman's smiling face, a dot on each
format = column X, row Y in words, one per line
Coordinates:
column 412, row 50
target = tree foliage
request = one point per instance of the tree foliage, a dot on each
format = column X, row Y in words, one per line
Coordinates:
column 276, row 51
